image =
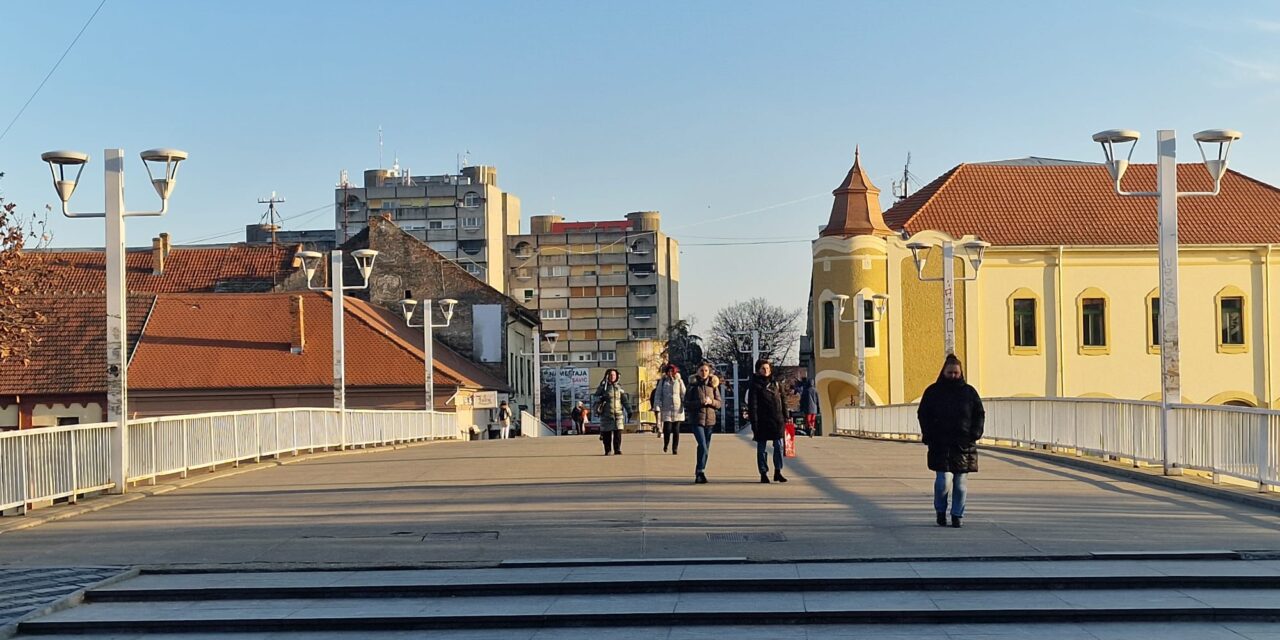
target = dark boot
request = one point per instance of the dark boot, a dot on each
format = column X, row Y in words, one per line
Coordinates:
column 778, row 477
column 764, row 478
column 700, row 478
column 955, row 522
column 942, row 518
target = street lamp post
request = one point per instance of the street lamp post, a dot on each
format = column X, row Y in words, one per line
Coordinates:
column 878, row 311
column 1166, row 195
column 551, row 350
column 310, row 261
column 117, row 309
column 974, row 251
column 537, row 371
column 428, row 338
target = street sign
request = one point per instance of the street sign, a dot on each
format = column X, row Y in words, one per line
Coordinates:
column 485, row 400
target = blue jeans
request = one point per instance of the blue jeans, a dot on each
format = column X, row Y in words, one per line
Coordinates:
column 947, row 483
column 762, row 460
column 703, row 436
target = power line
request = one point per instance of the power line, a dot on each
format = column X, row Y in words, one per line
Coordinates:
column 216, row 236
column 50, row 74
column 725, row 244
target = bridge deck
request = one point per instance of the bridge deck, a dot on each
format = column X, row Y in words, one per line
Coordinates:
column 558, row 498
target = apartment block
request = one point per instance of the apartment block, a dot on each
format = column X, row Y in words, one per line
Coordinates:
column 597, row 283
column 464, row 217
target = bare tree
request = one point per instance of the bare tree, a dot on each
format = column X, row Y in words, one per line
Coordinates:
column 21, row 271
column 779, row 331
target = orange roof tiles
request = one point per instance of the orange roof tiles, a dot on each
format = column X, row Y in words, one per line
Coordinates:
column 71, row 356
column 237, row 267
column 242, row 341
column 1019, row 205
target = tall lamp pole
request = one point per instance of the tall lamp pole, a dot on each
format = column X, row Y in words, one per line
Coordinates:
column 364, row 260
column 878, row 311
column 60, row 163
column 1166, row 195
column 428, row 337
column 974, row 251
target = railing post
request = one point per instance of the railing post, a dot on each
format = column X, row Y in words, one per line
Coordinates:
column 75, row 470
column 1215, row 450
column 235, row 441
column 185, row 456
column 1264, row 454
column 23, row 476
column 257, row 437
column 155, row 464
column 1135, row 424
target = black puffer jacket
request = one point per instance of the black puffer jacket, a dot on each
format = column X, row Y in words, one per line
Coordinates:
column 951, row 422
column 702, row 401
column 765, row 409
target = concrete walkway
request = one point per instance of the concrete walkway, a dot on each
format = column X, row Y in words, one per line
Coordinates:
column 559, row 498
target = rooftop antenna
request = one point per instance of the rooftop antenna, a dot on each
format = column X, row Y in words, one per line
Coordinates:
column 271, row 215
column 906, row 181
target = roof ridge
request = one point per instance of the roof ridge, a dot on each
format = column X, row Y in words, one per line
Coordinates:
column 942, row 182
column 364, row 317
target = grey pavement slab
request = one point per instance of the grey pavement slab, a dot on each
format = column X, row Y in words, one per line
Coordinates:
column 557, row 498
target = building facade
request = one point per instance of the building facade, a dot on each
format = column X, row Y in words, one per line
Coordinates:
column 1066, row 301
column 464, row 217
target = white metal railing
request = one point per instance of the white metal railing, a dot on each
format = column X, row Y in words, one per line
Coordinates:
column 1237, row 442
column 39, row 465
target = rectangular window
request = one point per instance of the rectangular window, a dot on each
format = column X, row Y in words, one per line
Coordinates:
column 555, row 357
column 1232, row 310
column 473, row 268
column 829, row 324
column 555, row 271
column 608, row 356
column 553, row 314
column 529, row 294
column 584, row 357
column 64, row 421
column 643, row 334
column 869, row 327
column 442, row 224
column 1024, row 322
column 1093, row 313
column 471, row 222
column 1155, row 322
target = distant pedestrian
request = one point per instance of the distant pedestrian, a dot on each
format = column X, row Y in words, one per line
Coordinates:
column 809, row 404
column 768, row 415
column 611, row 405
column 669, row 394
column 504, row 419
column 579, row 416
column 951, row 421
column 701, row 401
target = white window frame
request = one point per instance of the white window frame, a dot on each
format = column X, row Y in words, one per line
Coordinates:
column 608, row 356
column 472, row 222
column 442, row 224
column 471, row 200
column 553, row 314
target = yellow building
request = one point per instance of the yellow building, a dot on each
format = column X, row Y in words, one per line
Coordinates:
column 1065, row 302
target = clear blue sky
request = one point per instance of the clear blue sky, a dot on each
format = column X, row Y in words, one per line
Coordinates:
column 701, row 110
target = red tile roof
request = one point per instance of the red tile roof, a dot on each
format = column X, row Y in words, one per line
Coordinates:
column 1019, row 205
column 241, row 341
column 71, row 356
column 599, row 225
column 237, row 267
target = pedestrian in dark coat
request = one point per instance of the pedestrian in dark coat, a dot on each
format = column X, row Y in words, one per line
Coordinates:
column 701, row 401
column 612, row 405
column 768, row 415
column 951, row 421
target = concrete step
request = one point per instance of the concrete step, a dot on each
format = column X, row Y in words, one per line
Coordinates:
column 724, row 595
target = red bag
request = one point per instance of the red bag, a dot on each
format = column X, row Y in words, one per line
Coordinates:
column 789, row 441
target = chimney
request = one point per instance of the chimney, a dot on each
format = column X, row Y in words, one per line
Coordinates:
column 164, row 239
column 297, row 261
column 297, row 334
column 157, row 257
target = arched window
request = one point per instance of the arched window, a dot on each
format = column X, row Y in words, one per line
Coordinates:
column 1093, row 322
column 1232, row 320
column 471, row 200
column 1151, row 315
column 1025, row 334
column 829, row 323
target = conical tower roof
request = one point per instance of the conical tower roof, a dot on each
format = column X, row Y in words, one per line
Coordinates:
column 856, row 210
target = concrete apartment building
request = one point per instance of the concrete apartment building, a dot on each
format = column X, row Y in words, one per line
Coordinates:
column 597, row 283
column 464, row 217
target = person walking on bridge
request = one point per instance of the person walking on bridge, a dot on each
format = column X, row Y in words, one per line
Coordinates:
column 701, row 401
column 768, row 415
column 669, row 397
column 951, row 421
column 611, row 405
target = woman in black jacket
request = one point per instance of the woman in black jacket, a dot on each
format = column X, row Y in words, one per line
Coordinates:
column 768, row 415
column 951, row 421
column 701, row 401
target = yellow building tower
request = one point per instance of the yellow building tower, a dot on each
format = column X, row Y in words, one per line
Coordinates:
column 849, row 258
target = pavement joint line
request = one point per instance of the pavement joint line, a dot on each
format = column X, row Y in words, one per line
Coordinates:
column 1185, row 484
column 68, row 601
column 104, row 501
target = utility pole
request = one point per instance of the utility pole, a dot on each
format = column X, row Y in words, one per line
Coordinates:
column 271, row 213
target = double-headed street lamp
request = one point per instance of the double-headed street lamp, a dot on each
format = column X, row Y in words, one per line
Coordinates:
column 310, row 262
column 117, row 325
column 974, row 251
column 1166, row 195
column 878, row 310
column 537, row 366
column 428, row 339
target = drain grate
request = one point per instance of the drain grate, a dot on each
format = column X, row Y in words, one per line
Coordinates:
column 761, row 536
column 443, row 536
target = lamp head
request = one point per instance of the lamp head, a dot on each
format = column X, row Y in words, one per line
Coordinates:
column 881, row 301
column 166, row 159
column 406, row 308
column 976, row 250
column 1217, row 166
column 446, row 308
column 841, row 300
column 364, row 260
column 551, row 339
column 916, row 257
column 1111, row 138
column 310, row 260
column 58, row 163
